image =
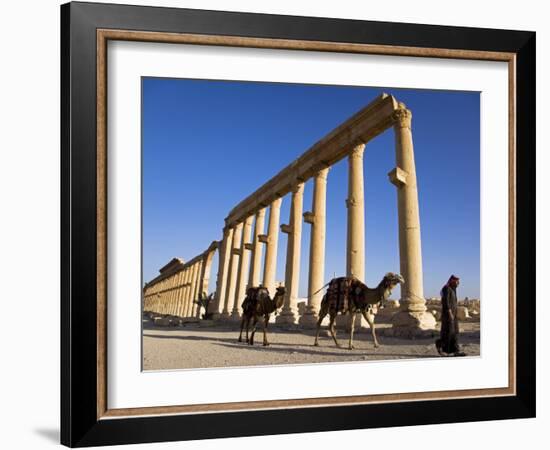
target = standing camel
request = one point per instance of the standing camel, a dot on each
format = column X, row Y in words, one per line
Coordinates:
column 258, row 304
column 349, row 295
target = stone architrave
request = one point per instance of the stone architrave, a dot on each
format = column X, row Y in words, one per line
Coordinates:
column 355, row 255
column 317, row 219
column 412, row 319
column 271, row 241
column 292, row 274
column 223, row 268
column 232, row 271
column 256, row 256
column 242, row 272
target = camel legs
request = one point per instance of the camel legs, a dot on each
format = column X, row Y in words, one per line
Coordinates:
column 333, row 330
column 351, row 329
column 322, row 314
column 254, row 320
column 265, row 321
column 370, row 320
column 243, row 320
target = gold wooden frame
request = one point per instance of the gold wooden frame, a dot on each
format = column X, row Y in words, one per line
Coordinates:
column 104, row 35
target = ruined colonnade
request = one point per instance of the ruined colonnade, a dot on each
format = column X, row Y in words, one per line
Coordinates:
column 244, row 234
column 179, row 284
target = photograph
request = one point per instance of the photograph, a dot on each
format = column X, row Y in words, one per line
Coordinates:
column 288, row 223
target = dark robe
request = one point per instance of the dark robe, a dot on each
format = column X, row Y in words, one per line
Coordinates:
column 448, row 340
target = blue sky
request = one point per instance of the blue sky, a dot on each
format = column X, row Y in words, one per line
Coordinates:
column 209, row 144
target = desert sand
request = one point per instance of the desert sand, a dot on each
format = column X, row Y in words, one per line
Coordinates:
column 194, row 345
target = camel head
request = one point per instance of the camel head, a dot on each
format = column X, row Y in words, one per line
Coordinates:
column 391, row 280
column 279, row 297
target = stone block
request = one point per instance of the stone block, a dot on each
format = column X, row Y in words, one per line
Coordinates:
column 462, row 313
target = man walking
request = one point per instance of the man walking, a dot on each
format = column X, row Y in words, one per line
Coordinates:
column 447, row 344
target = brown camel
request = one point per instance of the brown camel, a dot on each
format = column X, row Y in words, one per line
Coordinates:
column 258, row 304
column 348, row 295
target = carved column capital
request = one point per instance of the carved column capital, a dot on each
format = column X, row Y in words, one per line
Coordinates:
column 297, row 186
column 321, row 171
column 402, row 118
column 357, row 151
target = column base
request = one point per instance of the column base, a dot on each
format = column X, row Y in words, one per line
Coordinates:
column 235, row 316
column 342, row 322
column 216, row 316
column 309, row 319
column 287, row 317
column 225, row 316
column 411, row 324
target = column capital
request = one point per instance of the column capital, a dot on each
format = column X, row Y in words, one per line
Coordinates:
column 357, row 151
column 297, row 186
column 402, row 118
column 260, row 212
column 321, row 171
column 276, row 204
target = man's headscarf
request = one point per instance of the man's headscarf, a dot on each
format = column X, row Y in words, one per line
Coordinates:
column 448, row 284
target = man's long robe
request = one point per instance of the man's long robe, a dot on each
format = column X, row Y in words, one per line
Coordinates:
column 448, row 340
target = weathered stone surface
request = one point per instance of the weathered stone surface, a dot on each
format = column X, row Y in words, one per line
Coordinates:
column 162, row 321
column 413, row 324
column 462, row 313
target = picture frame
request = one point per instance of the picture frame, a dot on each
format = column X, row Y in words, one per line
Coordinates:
column 86, row 28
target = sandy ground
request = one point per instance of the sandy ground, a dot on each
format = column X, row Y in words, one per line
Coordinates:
column 195, row 346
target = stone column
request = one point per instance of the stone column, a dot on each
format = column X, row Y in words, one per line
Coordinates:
column 193, row 284
column 292, row 272
column 196, row 288
column 178, row 293
column 186, row 292
column 256, row 256
column 173, row 284
column 355, row 258
column 271, row 241
column 412, row 319
column 223, row 266
column 317, row 219
column 232, row 271
column 242, row 271
column 205, row 278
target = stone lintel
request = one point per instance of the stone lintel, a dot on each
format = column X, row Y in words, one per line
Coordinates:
column 363, row 126
column 285, row 228
column 309, row 217
column 398, row 177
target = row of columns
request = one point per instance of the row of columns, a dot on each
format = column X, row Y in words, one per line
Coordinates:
column 238, row 243
column 176, row 293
